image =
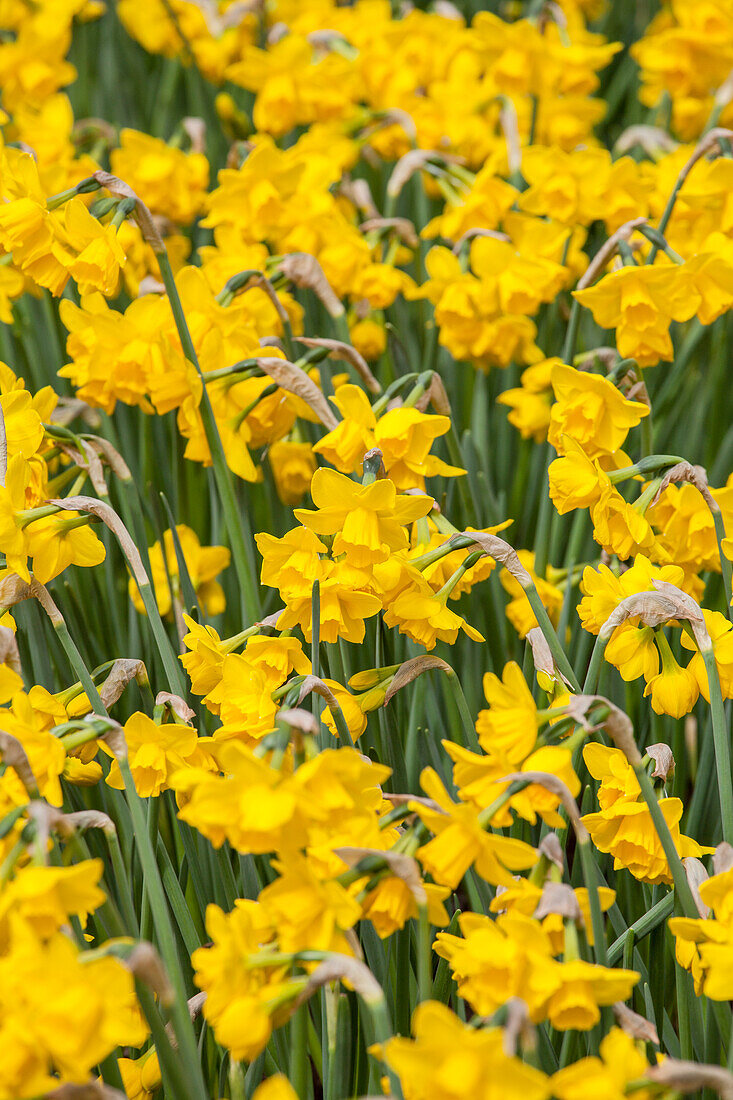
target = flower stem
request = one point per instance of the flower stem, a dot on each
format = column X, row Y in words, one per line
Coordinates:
column 594, row 668
column 299, row 1064
column 470, row 739
column 681, row 885
column 721, row 742
column 424, row 969
column 588, row 865
column 166, row 938
column 543, row 620
column 237, row 524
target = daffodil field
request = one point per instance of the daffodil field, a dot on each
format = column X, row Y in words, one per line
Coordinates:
column 366, row 521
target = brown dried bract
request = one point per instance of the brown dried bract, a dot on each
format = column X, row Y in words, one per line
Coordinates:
column 293, row 379
column 502, row 552
column 663, row 759
column 304, row 270
column 555, row 785
column 339, row 350
column 146, row 965
column 410, row 671
column 695, row 475
column 692, row 1077
column 638, row 1027
column 402, row 866
column 179, row 706
column 558, row 898
column 696, row 873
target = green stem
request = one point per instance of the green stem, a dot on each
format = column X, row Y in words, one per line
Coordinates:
column 543, row 620
column 237, row 525
column 575, row 542
column 299, row 1063
column 172, row 1072
column 146, row 915
column 681, row 885
column 343, row 731
column 424, row 969
column 725, row 566
column 642, row 927
column 647, row 435
column 122, row 882
column 588, row 864
column 338, row 1020
column 542, row 532
column 592, row 676
column 316, row 657
column 470, row 739
column 666, row 215
column 721, row 741
column 383, row 1032
column 165, row 937
column 79, row 668
column 172, row 668
column 571, row 335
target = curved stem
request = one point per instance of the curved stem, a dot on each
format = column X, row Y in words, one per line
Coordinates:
column 721, row 741
column 592, row 676
column 543, row 620
column 236, row 522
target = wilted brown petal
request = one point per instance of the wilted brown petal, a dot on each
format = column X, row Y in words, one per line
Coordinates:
column 663, row 759
column 638, row 1027
column 502, row 552
column 686, row 608
column 114, row 459
column 195, row 129
column 510, row 126
column 412, row 162
column 695, row 475
column 9, row 653
column 114, row 738
column 691, row 1077
column 293, row 379
column 558, row 898
column 315, row 684
column 146, row 965
column 123, row 671
column 81, row 820
column 402, row 866
column 337, row 968
column 304, row 270
column 144, row 218
column 696, row 874
column 403, row 227
column 555, row 785
column 14, row 756
column 68, row 408
column 518, row 1026
column 358, row 192
column 617, row 724
column 110, row 519
column 551, row 849
column 652, row 139
column 411, row 669
column 340, row 350
column 723, row 858
column 607, row 250
column 179, row 706
column 651, row 609
column 300, row 719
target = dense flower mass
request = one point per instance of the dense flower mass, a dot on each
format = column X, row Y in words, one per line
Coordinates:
column 366, row 529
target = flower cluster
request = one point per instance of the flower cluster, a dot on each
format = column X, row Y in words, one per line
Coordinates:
column 366, row 646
